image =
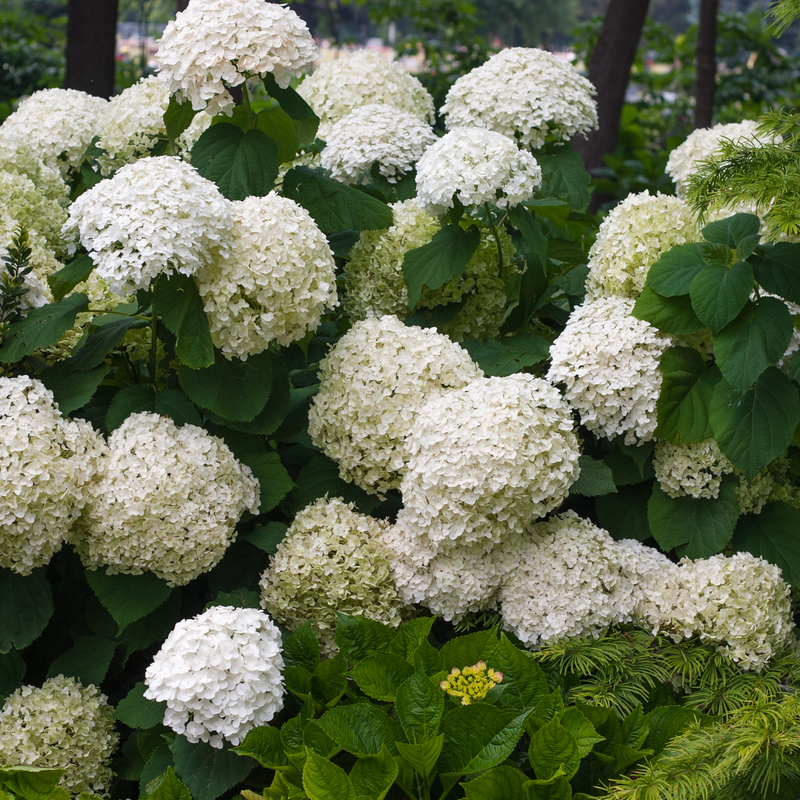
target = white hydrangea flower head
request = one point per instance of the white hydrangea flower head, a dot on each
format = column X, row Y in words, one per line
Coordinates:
column 17, row 156
column 655, row 580
column 45, row 464
column 372, row 384
column 476, row 166
column 276, row 282
column 572, row 580
column 375, row 134
column 216, row 44
column 332, row 559
column 375, row 285
column 361, row 78
column 752, row 496
column 526, row 94
column 220, row 674
column 608, row 362
column 634, row 235
column 166, row 500
column 694, row 469
column 63, row 725
column 57, row 124
column 154, row 216
column 486, row 459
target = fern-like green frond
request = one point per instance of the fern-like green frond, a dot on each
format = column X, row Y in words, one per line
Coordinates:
column 783, row 13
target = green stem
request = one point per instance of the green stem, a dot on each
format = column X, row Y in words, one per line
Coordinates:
column 251, row 117
column 496, row 238
column 153, row 347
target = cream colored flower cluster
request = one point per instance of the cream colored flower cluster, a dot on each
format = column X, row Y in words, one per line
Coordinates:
column 373, row 383
column 63, row 725
column 45, row 464
column 220, row 674
column 276, row 281
column 154, row 216
column 524, row 93
column 165, row 500
column 375, row 286
column 362, row 78
column 57, row 124
column 214, row 45
column 17, row 156
column 634, row 235
column 332, row 559
column 476, row 166
column 608, row 361
column 375, row 134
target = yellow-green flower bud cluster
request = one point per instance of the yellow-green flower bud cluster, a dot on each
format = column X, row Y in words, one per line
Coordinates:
column 471, row 684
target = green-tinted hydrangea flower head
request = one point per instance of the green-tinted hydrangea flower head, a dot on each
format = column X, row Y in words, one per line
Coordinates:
column 471, row 684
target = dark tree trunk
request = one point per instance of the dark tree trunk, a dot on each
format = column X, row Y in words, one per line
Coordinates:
column 610, row 71
column 706, row 65
column 91, row 44
column 180, row 5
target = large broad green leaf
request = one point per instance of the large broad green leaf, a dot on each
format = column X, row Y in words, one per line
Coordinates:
column 669, row 314
column 379, row 676
column 138, row 712
column 734, row 232
column 757, row 338
column 279, row 126
column 155, row 769
column 412, row 635
column 170, row 788
column 301, row 648
column 267, row 537
column 479, row 737
column 42, row 327
column 241, row 163
column 71, row 388
column 666, row 722
column 686, row 391
column 565, row 176
column 357, row 637
column 673, row 273
column 553, row 750
column 506, row 356
column 323, row 780
column 317, row 740
column 373, row 776
column 756, row 428
column 63, row 281
column 556, row 788
column 718, row 294
column 704, row 525
column 209, row 772
column 296, row 108
column 419, row 706
column 12, row 671
column 265, row 746
column 109, row 330
column 31, row 783
column 27, row 605
column 500, row 783
column 128, row 597
column 595, row 479
column 320, row 476
column 422, row 757
column 443, row 258
column 523, row 680
column 586, row 737
column 178, row 303
column 334, row 206
column 536, row 241
column 87, row 661
column 774, row 534
column 624, row 515
column 329, row 681
column 464, row 651
column 779, row 270
column 142, row 397
column 557, row 211
column 178, row 117
column 550, row 707
column 634, row 729
column 362, row 729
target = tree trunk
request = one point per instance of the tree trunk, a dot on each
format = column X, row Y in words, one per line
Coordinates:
column 91, row 45
column 180, row 5
column 706, row 65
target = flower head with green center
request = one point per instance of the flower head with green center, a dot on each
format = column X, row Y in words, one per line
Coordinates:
column 471, row 684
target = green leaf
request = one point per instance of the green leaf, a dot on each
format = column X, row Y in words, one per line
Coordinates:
column 27, row 605
column 669, row 314
column 273, row 479
column 301, row 648
column 757, row 338
column 323, row 780
column 362, row 729
column 267, row 537
column 412, row 635
column 42, row 327
column 109, row 331
column 72, row 389
column 673, row 273
column 306, row 121
column 178, row 407
column 265, row 746
column 32, row 783
column 756, row 428
column 329, row 681
column 207, row 771
column 499, row 783
column 704, row 525
column 550, row 707
column 506, row 356
column 774, row 534
column 167, row 403
column 565, row 176
column 624, row 515
column 479, row 737
column 242, row 164
column 634, row 729
column 443, row 258
column 683, row 405
column 12, row 671
column 320, row 476
column 170, row 788
column 525, row 683
column 155, row 769
column 180, row 307
column 556, row 788
column 64, row 280
column 334, row 206
column 718, row 294
column 236, row 390
column 88, row 661
column 419, row 706
column 523, row 221
column 553, row 749
column 373, row 776
column 422, row 756
column 557, row 211
column 357, row 637
column 464, row 651
column 279, row 126
column 135, row 711
column 732, row 230
column 666, row 722
column 178, row 117
column 128, row 597
column 586, row 737
column 779, row 270
column 379, row 676
column 716, row 255
column 626, row 756
column 595, row 478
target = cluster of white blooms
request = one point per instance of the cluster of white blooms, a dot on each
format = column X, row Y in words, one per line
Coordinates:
column 45, row 464
column 632, row 238
column 372, row 384
column 214, row 45
column 486, row 459
column 608, row 362
column 57, row 124
column 154, row 216
column 135, row 122
column 375, row 134
column 572, row 579
column 165, row 500
column 375, row 284
column 332, row 559
column 17, row 156
column 476, row 166
column 693, row 469
column 63, row 725
column 275, row 283
column 361, row 78
column 524, row 93
column 655, row 581
column 220, row 674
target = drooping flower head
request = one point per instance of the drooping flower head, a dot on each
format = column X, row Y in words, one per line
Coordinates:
column 220, row 674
